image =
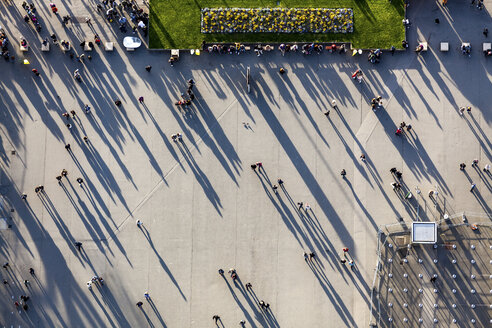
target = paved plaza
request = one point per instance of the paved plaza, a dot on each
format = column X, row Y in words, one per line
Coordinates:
column 202, row 206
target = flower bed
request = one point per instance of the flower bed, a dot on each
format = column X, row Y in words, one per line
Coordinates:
column 277, row 20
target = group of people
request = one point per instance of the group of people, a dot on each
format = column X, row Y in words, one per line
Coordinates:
column 4, row 44
column 31, row 15
column 400, row 129
column 374, row 56
column 187, row 98
column 95, row 280
column 238, row 48
column 23, row 298
column 138, row 17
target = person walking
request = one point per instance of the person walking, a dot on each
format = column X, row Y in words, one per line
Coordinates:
column 69, row 126
column 86, row 139
column 300, row 205
column 67, row 147
column 485, row 32
column 139, row 223
column 139, row 304
column 78, row 244
column 280, row 182
column 31, row 271
column 462, row 166
column 475, row 162
column 73, row 113
column 307, row 207
column 141, row 99
column 343, row 173
column 216, row 318
column 363, row 157
column 24, row 196
column 249, row 285
column 58, row 178
column 87, row 109
column 35, row 71
column 472, row 187
column 486, row 168
column 64, row 173
column 345, row 250
column 311, row 256
column 253, row 167
column 147, row 296
column 80, row 181
column 148, row 68
column 275, row 187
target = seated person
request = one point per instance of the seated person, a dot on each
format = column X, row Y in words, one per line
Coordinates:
column 45, row 42
column 97, row 40
column 488, row 52
column 419, row 48
column 23, row 43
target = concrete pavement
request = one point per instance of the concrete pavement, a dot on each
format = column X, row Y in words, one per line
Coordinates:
column 202, row 206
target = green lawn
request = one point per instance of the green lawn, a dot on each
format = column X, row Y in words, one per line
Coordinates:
column 176, row 23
